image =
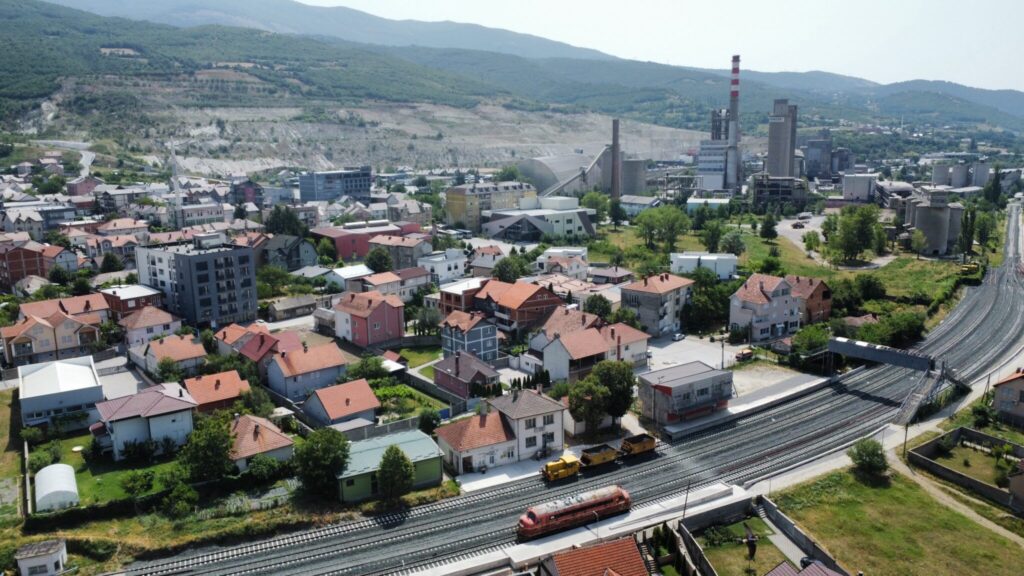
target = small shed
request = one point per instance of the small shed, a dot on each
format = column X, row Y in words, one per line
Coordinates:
column 43, row 557
column 359, row 480
column 56, row 488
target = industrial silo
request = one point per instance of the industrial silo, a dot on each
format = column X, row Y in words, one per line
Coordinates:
column 958, row 177
column 940, row 174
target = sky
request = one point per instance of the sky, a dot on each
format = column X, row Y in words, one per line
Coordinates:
column 977, row 43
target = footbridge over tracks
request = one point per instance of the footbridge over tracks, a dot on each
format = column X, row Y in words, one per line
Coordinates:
column 881, row 354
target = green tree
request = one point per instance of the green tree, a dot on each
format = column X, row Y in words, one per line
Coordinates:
column 733, row 243
column 830, row 226
column 239, row 211
column 263, row 469
column 617, row 213
column 810, row 338
column 379, row 260
column 711, row 236
column 625, row 316
column 966, row 240
column 672, row 222
column 181, row 501
column 326, row 249
column 587, row 402
column 647, row 225
column 111, row 263
column 136, row 483
column 371, row 368
column 868, row 456
column 209, row 341
column 429, row 420
column 918, row 242
column 510, row 269
column 167, row 370
column 985, row 225
column 207, row 453
column 811, row 240
column 618, row 378
column 599, row 305
column 58, row 275
column 80, row 287
column 768, row 231
column 256, row 401
column 320, row 460
column 395, row 475
column 284, row 220
column 507, row 174
column 599, row 203
column 994, row 188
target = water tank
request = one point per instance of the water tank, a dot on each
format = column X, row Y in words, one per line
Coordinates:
column 958, row 176
column 940, row 174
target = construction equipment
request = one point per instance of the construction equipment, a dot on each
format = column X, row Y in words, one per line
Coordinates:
column 566, row 466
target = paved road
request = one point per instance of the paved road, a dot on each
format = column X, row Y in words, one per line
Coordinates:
column 987, row 327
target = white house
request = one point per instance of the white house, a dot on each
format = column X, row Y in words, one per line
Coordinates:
column 56, row 488
column 298, row 373
column 42, row 558
column 446, row 266
column 348, row 277
column 573, row 355
column 147, row 323
column 188, row 354
column 723, row 265
column 59, row 389
column 535, row 419
column 155, row 413
column 476, row 443
column 766, row 307
column 252, row 436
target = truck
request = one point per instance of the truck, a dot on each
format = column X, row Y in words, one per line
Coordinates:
column 638, row 444
column 597, row 455
column 567, row 465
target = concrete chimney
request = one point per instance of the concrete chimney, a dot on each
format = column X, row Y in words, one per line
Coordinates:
column 616, row 162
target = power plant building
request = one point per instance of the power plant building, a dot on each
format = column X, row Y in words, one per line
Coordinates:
column 719, row 164
column 782, row 140
column 859, row 187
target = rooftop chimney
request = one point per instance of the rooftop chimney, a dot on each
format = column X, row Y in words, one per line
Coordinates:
column 181, row 393
column 216, row 385
column 348, row 401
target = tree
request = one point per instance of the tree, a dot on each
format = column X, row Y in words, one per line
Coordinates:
column 624, row 316
column 830, row 225
column 587, row 402
column 395, row 475
column 326, row 249
column 136, row 483
column 672, row 222
column 599, row 305
column 209, row 341
column 111, row 263
column 507, row 174
column 429, row 420
column 599, row 203
column 811, row 240
column 369, row 368
column 510, row 269
column 284, row 220
column 256, row 401
column 868, row 456
column 733, row 243
column 58, row 275
column 320, row 459
column 181, row 500
column 994, row 188
column 80, row 287
column 379, row 260
column 647, row 224
column 984, row 227
column 918, row 242
column 617, row 213
column 966, row 240
column 618, row 378
column 711, row 237
column 167, row 370
column 263, row 469
column 810, row 338
column 207, row 453
column 768, row 231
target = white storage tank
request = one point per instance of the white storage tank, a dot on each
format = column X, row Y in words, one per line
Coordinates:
column 56, row 488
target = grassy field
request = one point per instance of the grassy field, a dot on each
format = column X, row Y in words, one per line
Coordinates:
column 906, row 275
column 895, row 529
column 420, row 356
column 731, row 559
column 100, row 482
column 976, row 464
column 963, row 418
column 10, row 465
column 402, row 408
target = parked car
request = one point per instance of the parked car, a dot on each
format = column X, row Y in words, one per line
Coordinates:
column 678, row 336
column 745, row 354
column 798, row 224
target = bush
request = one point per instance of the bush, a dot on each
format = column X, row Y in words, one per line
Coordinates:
column 868, row 456
column 39, row 460
column 54, row 449
column 91, row 451
column 138, row 452
column 32, row 435
column 181, row 501
column 263, row 469
column 429, row 420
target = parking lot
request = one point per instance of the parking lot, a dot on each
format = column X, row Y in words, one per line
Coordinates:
column 665, row 352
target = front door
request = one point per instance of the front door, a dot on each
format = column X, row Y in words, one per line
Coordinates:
column 467, row 464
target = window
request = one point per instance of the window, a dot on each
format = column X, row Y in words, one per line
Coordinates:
column 350, row 482
column 376, row 325
column 531, row 442
column 549, row 419
column 42, row 569
column 149, row 330
column 549, row 437
column 702, row 392
column 1021, row 396
column 531, row 423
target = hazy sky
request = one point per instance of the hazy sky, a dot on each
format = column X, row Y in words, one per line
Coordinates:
column 977, row 43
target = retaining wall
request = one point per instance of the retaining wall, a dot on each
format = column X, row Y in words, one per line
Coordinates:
column 924, row 456
column 798, row 536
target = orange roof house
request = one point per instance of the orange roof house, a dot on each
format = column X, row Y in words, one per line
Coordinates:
column 252, row 436
column 216, row 391
column 342, row 402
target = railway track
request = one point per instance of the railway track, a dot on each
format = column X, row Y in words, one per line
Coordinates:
column 984, row 328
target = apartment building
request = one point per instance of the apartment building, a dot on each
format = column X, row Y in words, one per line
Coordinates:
column 658, row 302
column 766, row 307
column 464, row 204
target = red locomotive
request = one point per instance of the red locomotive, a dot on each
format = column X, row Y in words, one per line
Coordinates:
column 573, row 511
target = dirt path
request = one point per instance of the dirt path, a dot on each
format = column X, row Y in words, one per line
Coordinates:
column 945, row 499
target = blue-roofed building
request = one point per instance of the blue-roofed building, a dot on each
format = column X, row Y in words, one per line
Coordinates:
column 359, row 480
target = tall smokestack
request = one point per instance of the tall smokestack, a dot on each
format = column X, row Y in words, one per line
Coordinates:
column 616, row 161
column 734, row 101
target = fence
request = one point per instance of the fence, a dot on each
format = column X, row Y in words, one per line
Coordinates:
column 695, row 554
column 407, row 342
column 383, row 429
column 924, row 457
column 798, row 537
column 420, row 383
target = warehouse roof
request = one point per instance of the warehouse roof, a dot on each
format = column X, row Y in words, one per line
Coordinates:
column 365, row 455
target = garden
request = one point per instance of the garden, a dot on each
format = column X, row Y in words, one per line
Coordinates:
column 724, row 548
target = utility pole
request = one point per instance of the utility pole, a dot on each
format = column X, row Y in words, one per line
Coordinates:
column 906, row 431
column 723, row 354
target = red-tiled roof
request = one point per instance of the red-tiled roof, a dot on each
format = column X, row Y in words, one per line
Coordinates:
column 476, row 432
column 564, row 320
column 381, row 278
column 252, row 435
column 659, row 284
column 464, row 321
column 313, row 359
column 147, row 316
column 52, row 251
column 518, row 294
column 122, row 224
column 493, row 289
column 73, row 306
column 177, row 348
column 346, row 399
column 619, row 556
column 363, row 304
column 594, row 341
column 388, row 240
column 493, row 250
column 233, row 332
column 758, row 288
column 1015, row 377
column 410, row 273
column 211, row 388
column 802, row 286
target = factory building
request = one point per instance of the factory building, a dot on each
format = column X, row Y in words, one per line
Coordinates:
column 466, row 203
column 859, row 187
column 719, row 164
column 930, row 211
column 782, row 140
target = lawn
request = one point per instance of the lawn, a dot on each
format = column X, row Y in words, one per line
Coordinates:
column 10, row 466
column 420, row 356
column 100, row 482
column 731, row 559
column 963, row 418
column 907, row 275
column 895, row 529
column 974, row 463
column 428, row 372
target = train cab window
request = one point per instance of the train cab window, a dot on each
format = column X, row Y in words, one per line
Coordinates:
column 531, row 516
